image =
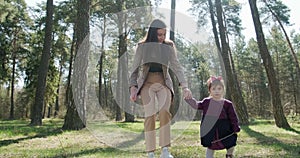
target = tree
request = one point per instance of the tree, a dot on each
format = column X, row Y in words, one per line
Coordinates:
column 286, row 70
column 252, row 78
column 296, row 39
column 14, row 21
column 63, row 23
column 36, row 114
column 101, row 59
column 75, row 116
column 280, row 119
column 198, row 64
column 127, row 16
column 233, row 87
column 229, row 24
column 176, row 102
column 280, row 17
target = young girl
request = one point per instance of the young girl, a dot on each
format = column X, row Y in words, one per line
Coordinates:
column 219, row 124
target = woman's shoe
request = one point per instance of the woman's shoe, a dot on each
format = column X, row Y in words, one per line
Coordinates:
column 165, row 153
column 151, row 155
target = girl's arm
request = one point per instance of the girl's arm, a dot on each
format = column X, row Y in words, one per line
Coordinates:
column 194, row 103
column 233, row 118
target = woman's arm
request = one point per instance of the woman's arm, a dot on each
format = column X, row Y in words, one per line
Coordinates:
column 133, row 85
column 135, row 67
column 176, row 67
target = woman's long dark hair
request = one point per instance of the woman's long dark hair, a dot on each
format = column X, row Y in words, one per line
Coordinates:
column 152, row 31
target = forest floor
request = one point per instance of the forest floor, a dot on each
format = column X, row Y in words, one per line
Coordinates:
column 126, row 140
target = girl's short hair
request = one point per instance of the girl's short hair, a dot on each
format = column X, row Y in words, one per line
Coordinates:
column 214, row 81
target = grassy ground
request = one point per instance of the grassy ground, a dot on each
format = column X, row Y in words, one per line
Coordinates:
column 125, row 140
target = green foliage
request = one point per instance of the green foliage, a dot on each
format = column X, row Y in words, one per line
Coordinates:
column 281, row 10
column 232, row 17
column 252, row 77
column 200, row 10
column 13, row 36
column 286, row 70
column 231, row 11
column 296, row 42
column 197, row 59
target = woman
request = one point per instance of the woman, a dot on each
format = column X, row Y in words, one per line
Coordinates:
column 150, row 79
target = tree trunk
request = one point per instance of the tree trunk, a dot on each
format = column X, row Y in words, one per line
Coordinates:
column 129, row 117
column 49, row 111
column 75, row 118
column 102, row 55
column 72, row 119
column 44, row 111
column 56, row 106
column 100, row 77
column 176, row 98
column 106, row 92
column 218, row 44
column 280, row 119
column 118, row 95
column 231, row 84
column 172, row 21
column 122, row 88
column 119, row 73
column 68, row 87
column 12, row 106
column 36, row 113
column 119, row 87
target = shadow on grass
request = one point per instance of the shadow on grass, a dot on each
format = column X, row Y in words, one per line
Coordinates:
column 132, row 142
column 293, row 130
column 105, row 151
column 39, row 135
column 262, row 122
column 22, row 129
column 271, row 141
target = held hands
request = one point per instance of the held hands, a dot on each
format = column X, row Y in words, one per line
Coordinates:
column 133, row 93
column 187, row 94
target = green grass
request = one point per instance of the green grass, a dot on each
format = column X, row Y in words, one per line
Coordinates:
column 125, row 140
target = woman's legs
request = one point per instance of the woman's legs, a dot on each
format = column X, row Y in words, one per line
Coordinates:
column 153, row 88
column 164, row 101
column 148, row 99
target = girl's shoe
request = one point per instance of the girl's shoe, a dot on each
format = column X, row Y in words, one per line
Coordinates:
column 229, row 156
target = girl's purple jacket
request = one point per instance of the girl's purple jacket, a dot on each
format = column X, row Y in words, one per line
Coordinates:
column 219, row 120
